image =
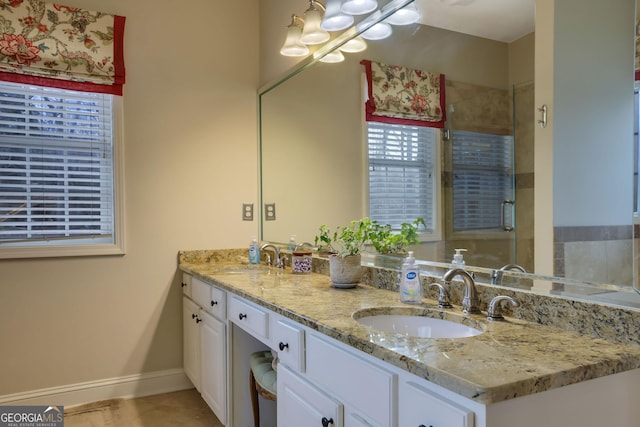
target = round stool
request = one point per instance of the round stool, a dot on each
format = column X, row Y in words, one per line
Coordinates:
column 262, row 380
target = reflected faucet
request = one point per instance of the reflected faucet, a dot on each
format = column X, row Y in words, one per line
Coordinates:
column 302, row 245
column 470, row 302
column 496, row 275
column 277, row 262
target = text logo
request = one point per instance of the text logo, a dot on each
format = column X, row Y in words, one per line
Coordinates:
column 31, row 416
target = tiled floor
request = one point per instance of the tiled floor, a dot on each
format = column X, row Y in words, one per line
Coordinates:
column 179, row 409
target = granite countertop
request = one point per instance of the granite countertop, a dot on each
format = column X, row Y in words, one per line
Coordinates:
column 510, row 359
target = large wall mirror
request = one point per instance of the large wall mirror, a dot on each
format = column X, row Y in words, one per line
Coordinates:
column 314, row 155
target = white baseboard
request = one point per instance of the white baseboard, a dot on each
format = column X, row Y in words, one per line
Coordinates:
column 129, row 386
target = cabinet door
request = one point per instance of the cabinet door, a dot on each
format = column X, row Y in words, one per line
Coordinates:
column 213, row 372
column 302, row 404
column 191, row 336
column 421, row 407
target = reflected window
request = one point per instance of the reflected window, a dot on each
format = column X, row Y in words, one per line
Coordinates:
column 402, row 173
column 482, row 181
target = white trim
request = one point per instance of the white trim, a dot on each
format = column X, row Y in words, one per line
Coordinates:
column 130, row 386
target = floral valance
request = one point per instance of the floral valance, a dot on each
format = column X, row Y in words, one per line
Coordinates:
column 401, row 95
column 61, row 46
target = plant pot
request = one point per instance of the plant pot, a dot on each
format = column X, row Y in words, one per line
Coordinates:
column 345, row 272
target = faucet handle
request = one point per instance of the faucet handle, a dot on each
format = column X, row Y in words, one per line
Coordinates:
column 443, row 295
column 267, row 259
column 494, row 311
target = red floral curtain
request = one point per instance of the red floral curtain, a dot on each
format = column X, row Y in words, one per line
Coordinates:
column 400, row 95
column 52, row 45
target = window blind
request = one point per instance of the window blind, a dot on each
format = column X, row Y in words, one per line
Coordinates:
column 482, row 179
column 56, row 165
column 401, row 173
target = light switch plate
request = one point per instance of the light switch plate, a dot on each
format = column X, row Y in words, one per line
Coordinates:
column 269, row 211
column 247, row 211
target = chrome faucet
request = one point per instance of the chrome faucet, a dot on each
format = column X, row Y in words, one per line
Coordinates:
column 470, row 302
column 496, row 275
column 302, row 245
column 495, row 312
column 277, row 261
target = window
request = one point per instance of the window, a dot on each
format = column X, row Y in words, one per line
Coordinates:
column 482, row 181
column 59, row 192
column 403, row 174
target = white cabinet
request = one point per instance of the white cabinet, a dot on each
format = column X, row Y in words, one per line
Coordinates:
column 205, row 342
column 213, row 366
column 418, row 406
column 191, row 336
column 366, row 388
column 302, row 404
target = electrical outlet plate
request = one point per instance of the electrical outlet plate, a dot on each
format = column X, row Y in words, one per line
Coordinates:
column 247, row 211
column 269, row 211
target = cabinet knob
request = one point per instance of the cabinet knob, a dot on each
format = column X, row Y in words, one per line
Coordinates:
column 282, row 346
column 193, row 316
column 213, row 303
column 242, row 316
column 198, row 320
column 422, row 425
column 183, row 284
column 326, row 422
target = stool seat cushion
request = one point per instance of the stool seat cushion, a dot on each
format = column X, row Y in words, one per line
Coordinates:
column 263, row 372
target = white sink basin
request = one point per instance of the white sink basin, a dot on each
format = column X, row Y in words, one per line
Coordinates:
column 418, row 326
column 417, row 322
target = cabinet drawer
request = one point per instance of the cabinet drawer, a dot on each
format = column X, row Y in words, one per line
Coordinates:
column 419, row 406
column 218, row 303
column 249, row 317
column 186, row 284
column 288, row 340
column 347, row 375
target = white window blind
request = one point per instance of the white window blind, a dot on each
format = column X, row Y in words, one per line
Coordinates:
column 56, row 165
column 482, row 179
column 401, row 173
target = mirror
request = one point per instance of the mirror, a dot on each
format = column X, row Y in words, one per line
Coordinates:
column 314, row 156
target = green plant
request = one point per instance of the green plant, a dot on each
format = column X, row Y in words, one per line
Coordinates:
column 387, row 241
column 345, row 240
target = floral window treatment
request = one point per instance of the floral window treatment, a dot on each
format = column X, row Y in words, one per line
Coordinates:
column 400, row 95
column 60, row 46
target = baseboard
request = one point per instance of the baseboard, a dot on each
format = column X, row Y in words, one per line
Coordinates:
column 129, row 386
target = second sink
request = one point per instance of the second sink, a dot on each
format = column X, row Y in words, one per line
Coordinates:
column 418, row 322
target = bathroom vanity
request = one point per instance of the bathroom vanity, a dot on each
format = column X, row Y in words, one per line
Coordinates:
column 334, row 371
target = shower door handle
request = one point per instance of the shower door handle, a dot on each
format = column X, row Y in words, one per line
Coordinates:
column 505, row 226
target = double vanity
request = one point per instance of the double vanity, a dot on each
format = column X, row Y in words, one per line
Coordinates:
column 341, row 364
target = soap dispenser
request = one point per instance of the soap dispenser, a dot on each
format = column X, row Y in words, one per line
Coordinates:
column 254, row 251
column 458, row 260
column 410, row 286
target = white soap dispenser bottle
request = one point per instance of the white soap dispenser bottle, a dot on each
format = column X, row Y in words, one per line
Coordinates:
column 458, row 260
column 410, row 286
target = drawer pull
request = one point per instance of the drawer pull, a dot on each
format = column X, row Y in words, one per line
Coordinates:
column 213, row 303
column 242, row 316
column 183, row 284
column 422, row 425
column 282, row 346
column 198, row 320
column 193, row 316
column 326, row 422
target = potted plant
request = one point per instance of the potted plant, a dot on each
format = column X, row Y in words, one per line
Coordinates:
column 345, row 245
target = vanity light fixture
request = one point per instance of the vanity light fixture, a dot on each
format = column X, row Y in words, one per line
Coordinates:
column 405, row 16
column 358, row 7
column 334, row 18
column 312, row 32
column 292, row 45
column 333, row 57
column 378, row 31
column 356, row 44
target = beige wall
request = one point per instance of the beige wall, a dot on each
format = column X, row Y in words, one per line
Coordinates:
column 190, row 160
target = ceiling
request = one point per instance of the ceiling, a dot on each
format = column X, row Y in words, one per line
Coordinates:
column 501, row 20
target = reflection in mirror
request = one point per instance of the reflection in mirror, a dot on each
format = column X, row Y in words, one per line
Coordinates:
column 315, row 157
